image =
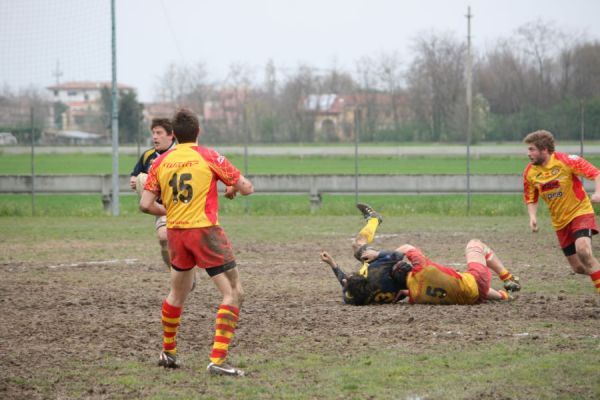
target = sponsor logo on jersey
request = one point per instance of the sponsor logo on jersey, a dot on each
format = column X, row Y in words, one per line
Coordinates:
column 555, row 184
column 181, row 164
column 555, row 195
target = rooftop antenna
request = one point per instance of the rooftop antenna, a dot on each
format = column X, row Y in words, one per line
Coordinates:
column 57, row 73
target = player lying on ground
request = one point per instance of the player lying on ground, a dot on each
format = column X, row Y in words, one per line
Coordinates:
column 385, row 276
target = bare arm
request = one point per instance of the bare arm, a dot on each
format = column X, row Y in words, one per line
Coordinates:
column 243, row 186
column 149, row 205
column 596, row 196
column 532, row 211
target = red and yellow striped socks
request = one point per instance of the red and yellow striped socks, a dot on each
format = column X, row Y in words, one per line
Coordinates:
column 226, row 322
column 171, row 317
column 505, row 276
column 595, row 276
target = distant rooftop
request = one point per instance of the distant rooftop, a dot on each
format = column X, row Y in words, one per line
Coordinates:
column 87, row 85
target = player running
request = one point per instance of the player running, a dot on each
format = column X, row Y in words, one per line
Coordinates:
column 555, row 177
column 164, row 140
column 185, row 179
column 386, row 277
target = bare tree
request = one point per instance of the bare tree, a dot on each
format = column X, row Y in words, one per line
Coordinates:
column 436, row 84
column 366, row 101
column 501, row 77
column 586, row 70
column 538, row 42
column 391, row 76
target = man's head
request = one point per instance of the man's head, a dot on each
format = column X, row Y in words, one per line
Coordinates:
column 186, row 126
column 540, row 145
column 162, row 133
column 365, row 252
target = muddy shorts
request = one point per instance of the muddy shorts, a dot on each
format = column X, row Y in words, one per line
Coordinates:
column 203, row 247
column 581, row 226
column 483, row 278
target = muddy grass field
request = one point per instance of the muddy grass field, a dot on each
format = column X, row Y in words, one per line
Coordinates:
column 81, row 301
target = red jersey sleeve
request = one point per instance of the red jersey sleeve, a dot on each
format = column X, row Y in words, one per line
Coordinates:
column 530, row 193
column 220, row 165
column 152, row 183
column 416, row 257
column 579, row 165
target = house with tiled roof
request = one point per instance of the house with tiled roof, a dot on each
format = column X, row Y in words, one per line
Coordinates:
column 83, row 103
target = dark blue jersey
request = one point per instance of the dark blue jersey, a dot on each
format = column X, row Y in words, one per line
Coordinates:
column 379, row 273
column 146, row 160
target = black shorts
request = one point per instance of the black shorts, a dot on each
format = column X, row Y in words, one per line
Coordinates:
column 570, row 249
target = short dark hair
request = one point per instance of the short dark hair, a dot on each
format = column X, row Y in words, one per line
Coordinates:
column 543, row 140
column 186, row 125
column 359, row 290
column 164, row 123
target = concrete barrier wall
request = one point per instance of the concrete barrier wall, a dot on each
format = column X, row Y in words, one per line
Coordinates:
column 309, row 184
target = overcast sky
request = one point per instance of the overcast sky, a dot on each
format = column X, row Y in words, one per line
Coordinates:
column 35, row 35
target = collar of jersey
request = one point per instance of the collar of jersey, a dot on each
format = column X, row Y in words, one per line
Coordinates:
column 187, row 144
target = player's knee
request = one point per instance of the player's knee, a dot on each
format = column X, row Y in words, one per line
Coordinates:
column 475, row 246
column 585, row 255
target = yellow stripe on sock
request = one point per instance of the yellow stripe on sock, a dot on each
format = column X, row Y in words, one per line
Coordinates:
column 171, row 320
column 168, row 340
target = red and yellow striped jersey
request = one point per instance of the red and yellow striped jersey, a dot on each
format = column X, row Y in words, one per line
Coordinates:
column 431, row 283
column 559, row 185
column 185, row 178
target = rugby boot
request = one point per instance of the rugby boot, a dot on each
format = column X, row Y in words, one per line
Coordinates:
column 223, row 369
column 512, row 285
column 168, row 360
column 368, row 212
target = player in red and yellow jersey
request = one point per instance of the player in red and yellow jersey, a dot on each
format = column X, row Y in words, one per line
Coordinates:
column 555, row 177
column 431, row 283
column 386, row 278
column 185, row 179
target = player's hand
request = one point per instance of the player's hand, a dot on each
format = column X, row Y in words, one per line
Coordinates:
column 326, row 258
column 132, row 182
column 595, row 197
column 230, row 192
column 533, row 225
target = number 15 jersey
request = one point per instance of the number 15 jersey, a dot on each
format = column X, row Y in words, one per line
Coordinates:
column 185, row 178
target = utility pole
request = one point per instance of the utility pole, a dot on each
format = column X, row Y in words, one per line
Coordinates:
column 469, row 108
column 357, row 123
column 582, row 126
column 57, row 73
column 115, row 118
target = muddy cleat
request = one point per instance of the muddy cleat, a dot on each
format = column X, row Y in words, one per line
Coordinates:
column 512, row 285
column 223, row 369
column 368, row 212
column 506, row 296
column 167, row 360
